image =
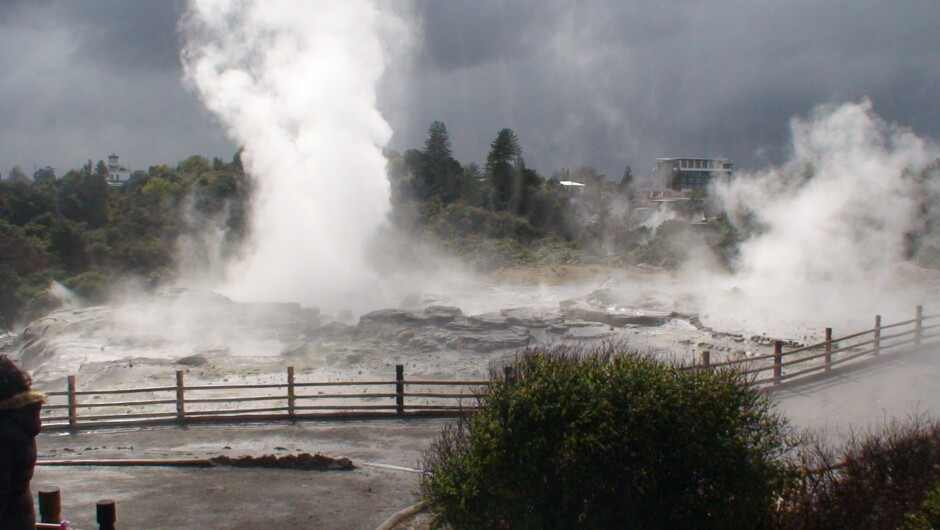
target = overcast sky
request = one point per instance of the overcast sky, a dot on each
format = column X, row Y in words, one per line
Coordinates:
column 603, row 83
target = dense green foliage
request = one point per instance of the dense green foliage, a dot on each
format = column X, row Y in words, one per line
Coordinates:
column 610, row 440
column 86, row 234
column 927, row 515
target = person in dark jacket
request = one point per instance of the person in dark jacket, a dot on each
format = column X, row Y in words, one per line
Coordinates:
column 19, row 425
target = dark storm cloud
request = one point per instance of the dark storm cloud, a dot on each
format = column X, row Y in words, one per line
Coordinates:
column 487, row 29
column 128, row 35
column 609, row 83
column 603, row 83
column 81, row 80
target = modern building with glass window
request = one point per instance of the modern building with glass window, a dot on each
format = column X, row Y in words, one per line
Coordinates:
column 689, row 173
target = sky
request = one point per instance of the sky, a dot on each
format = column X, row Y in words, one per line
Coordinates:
column 604, row 83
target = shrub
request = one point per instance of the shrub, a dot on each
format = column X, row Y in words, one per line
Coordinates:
column 927, row 515
column 870, row 482
column 610, row 440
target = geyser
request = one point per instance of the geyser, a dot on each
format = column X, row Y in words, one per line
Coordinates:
column 294, row 82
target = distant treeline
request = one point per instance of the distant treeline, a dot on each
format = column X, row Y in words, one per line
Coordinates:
column 506, row 213
column 88, row 235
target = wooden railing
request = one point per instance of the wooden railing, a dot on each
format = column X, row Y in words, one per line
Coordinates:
column 816, row 359
column 293, row 400
column 290, row 400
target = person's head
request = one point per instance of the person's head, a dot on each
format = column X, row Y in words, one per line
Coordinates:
column 13, row 381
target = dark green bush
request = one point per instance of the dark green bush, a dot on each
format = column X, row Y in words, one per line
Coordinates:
column 610, row 440
column 927, row 515
column 871, row 482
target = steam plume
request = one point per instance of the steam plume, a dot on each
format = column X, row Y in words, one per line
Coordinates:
column 833, row 221
column 294, row 82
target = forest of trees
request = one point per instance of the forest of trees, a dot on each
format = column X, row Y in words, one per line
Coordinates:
column 506, row 213
column 88, row 235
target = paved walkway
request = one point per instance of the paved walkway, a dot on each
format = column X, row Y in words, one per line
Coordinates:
column 862, row 397
column 238, row 498
column 894, row 386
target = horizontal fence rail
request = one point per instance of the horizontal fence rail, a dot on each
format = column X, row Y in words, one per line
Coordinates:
column 292, row 400
column 75, row 409
column 809, row 361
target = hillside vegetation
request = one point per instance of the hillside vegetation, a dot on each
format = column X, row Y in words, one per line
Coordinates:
column 88, row 235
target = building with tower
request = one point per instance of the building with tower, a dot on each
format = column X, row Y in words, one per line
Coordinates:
column 118, row 175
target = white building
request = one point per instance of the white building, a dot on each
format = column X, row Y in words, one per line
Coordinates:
column 572, row 186
column 688, row 173
column 118, row 175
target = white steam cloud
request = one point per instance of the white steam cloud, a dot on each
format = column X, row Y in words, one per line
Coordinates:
column 294, row 82
column 833, row 224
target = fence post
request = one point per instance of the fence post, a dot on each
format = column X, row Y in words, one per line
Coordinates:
column 106, row 514
column 73, row 405
column 706, row 358
column 509, row 375
column 291, row 397
column 180, row 399
column 877, row 345
column 919, row 325
column 399, row 388
column 828, row 349
column 50, row 505
column 778, row 360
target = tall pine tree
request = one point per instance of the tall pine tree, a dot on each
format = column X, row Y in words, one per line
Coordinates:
column 437, row 173
column 501, row 169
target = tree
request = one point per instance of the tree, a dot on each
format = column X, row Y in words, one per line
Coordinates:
column 17, row 175
column 437, row 146
column 500, row 164
column 67, row 244
column 575, row 439
column 436, row 172
column 44, row 174
column 194, row 166
column 11, row 300
column 83, row 197
column 101, row 170
column 626, row 182
column 474, row 188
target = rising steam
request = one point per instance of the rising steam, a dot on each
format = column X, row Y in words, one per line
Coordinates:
column 294, row 82
column 831, row 227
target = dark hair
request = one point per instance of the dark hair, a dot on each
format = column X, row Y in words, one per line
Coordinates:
column 13, row 381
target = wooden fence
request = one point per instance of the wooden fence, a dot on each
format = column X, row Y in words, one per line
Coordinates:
column 816, row 359
column 295, row 400
column 290, row 400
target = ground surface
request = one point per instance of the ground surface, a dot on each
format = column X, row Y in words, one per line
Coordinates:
column 230, row 498
column 222, row 497
column 865, row 396
column 157, row 497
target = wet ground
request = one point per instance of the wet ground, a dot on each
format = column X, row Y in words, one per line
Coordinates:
column 234, row 498
column 866, row 395
column 894, row 386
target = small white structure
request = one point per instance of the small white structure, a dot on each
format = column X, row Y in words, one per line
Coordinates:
column 118, row 175
column 572, row 186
